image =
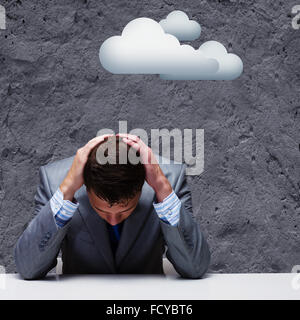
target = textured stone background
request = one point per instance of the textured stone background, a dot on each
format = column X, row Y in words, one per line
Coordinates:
column 55, row 96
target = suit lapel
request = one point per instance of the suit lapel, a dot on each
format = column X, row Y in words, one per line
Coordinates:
column 97, row 228
column 134, row 223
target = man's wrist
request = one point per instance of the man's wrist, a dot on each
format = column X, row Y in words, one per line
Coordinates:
column 67, row 191
column 162, row 188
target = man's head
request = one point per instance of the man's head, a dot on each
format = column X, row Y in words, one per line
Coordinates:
column 113, row 189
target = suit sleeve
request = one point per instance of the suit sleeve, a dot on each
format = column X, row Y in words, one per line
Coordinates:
column 187, row 248
column 37, row 249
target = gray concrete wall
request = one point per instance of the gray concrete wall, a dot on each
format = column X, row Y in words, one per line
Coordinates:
column 55, row 96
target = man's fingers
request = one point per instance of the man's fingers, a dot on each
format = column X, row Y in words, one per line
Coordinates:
column 100, row 138
column 92, row 143
column 145, row 152
column 129, row 136
column 134, row 138
column 133, row 144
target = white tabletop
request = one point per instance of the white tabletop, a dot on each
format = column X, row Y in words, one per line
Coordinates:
column 142, row 287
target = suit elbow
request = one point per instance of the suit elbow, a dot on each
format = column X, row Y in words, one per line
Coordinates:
column 205, row 260
column 27, row 275
column 22, row 270
column 201, row 268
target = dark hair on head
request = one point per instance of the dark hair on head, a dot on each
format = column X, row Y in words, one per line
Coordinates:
column 114, row 183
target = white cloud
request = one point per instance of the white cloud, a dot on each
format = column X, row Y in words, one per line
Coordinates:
column 145, row 48
column 179, row 25
column 230, row 65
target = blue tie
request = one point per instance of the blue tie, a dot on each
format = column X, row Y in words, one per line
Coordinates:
column 114, row 235
column 116, row 232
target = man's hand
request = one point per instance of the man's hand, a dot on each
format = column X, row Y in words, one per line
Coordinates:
column 154, row 175
column 74, row 179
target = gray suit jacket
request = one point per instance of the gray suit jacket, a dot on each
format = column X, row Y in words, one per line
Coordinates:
column 84, row 241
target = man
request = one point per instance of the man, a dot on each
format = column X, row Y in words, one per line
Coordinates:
column 112, row 218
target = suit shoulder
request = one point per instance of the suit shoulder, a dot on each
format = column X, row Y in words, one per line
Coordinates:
column 172, row 169
column 59, row 164
column 56, row 171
